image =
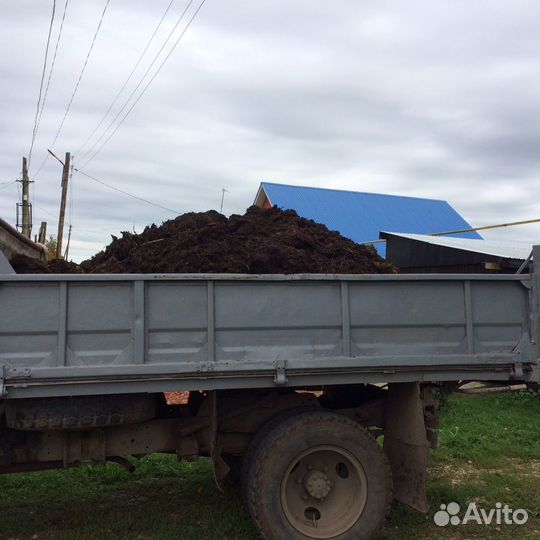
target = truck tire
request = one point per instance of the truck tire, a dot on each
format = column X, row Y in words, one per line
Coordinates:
column 257, row 439
column 79, row 412
column 318, row 475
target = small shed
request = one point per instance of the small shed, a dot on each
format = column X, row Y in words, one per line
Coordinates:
column 419, row 253
column 360, row 216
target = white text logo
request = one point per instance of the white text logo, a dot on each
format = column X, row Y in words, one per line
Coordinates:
column 449, row 514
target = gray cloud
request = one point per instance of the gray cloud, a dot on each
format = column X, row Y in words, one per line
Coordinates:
column 433, row 99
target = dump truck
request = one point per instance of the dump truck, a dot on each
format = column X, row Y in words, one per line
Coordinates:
column 294, row 380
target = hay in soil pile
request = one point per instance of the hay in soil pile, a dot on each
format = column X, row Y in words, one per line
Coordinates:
column 270, row 241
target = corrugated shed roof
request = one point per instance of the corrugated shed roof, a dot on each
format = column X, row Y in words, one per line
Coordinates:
column 362, row 216
column 507, row 250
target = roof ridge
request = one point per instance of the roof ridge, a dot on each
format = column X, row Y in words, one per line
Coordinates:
column 356, row 192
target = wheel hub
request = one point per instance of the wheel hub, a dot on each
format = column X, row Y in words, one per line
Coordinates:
column 323, row 491
column 317, row 484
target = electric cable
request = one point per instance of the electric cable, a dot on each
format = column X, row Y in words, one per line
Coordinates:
column 133, row 92
column 76, row 86
column 126, row 192
column 52, row 64
column 5, row 185
column 147, row 85
column 34, row 130
column 81, row 73
column 141, row 56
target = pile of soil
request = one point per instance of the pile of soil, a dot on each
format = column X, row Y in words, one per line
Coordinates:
column 270, row 241
column 26, row 265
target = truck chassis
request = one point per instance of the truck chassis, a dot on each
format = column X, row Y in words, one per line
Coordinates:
column 291, row 379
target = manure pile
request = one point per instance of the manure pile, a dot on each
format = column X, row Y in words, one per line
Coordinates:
column 270, row 241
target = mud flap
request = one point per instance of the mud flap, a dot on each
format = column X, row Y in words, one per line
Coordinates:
column 406, row 444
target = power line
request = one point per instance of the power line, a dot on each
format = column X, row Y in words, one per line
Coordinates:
column 82, row 71
column 52, row 64
column 125, row 192
column 5, row 185
column 76, row 86
column 89, row 237
column 126, row 102
column 484, row 228
column 46, row 211
column 148, row 84
column 128, row 78
column 34, row 130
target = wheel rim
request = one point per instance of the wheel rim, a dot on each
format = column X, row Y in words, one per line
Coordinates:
column 324, row 491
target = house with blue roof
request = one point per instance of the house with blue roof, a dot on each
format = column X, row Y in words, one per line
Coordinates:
column 362, row 216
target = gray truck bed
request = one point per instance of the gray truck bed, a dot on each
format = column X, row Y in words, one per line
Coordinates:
column 98, row 334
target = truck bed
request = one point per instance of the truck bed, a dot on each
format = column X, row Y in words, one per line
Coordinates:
column 98, row 334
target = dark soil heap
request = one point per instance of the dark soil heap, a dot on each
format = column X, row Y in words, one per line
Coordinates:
column 268, row 241
column 26, row 265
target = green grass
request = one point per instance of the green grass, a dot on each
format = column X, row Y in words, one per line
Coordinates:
column 489, row 452
column 161, row 499
column 490, row 429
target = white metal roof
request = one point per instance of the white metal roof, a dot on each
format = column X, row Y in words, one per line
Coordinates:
column 508, row 250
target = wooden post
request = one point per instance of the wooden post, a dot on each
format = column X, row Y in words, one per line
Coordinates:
column 67, row 243
column 65, row 180
column 26, row 225
column 42, row 236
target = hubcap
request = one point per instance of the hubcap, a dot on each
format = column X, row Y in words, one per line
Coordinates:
column 317, row 484
column 324, row 491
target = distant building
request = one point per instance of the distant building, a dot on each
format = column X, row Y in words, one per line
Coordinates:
column 418, row 253
column 362, row 216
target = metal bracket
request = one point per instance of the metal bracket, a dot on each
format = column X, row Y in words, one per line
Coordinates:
column 280, row 377
column 517, row 371
column 205, row 367
column 525, row 263
column 20, row 373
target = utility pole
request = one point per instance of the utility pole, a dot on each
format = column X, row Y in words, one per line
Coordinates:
column 66, row 254
column 65, row 180
column 26, row 228
column 223, row 191
column 42, row 236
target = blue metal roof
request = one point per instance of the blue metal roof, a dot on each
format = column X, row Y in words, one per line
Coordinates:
column 361, row 216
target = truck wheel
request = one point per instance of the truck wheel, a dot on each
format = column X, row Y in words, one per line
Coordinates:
column 318, row 475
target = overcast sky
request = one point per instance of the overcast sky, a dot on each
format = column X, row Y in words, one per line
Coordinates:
column 432, row 98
